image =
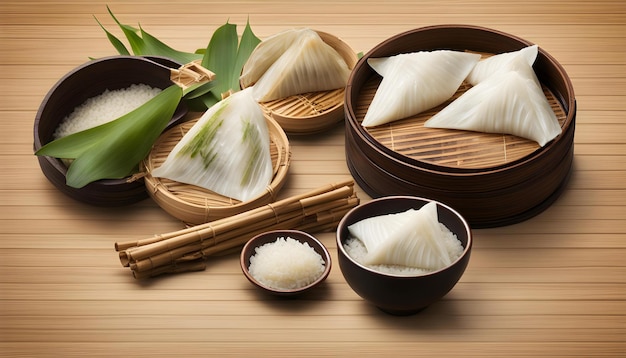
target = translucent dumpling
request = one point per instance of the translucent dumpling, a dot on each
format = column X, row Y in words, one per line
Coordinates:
column 413, row 238
column 415, row 82
column 266, row 53
column 509, row 102
column 502, row 62
column 374, row 231
column 293, row 62
column 227, row 151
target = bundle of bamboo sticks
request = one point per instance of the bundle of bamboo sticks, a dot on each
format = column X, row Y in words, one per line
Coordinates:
column 187, row 249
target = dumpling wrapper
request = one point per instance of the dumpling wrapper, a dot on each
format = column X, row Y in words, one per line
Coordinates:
column 227, row 151
column 415, row 82
column 266, row 53
column 413, row 238
column 294, row 62
column 509, row 102
column 501, row 63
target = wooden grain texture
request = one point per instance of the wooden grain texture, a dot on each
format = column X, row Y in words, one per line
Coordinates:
column 552, row 286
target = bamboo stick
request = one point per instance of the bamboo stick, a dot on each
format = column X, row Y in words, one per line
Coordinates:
column 269, row 215
column 120, row 246
column 174, row 248
column 185, row 250
column 327, row 221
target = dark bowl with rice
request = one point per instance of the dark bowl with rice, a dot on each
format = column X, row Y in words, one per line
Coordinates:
column 285, row 263
column 87, row 81
column 401, row 292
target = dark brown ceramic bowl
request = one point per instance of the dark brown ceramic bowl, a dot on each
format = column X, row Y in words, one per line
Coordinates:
column 534, row 179
column 271, row 236
column 73, row 89
column 402, row 294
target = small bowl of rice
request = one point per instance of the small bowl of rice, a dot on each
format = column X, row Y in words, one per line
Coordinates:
column 285, row 262
column 403, row 253
column 91, row 94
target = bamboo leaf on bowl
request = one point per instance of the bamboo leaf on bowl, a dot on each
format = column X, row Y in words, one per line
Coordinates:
column 224, row 55
column 113, row 150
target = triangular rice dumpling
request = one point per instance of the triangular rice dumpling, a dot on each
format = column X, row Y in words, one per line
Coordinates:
column 227, row 151
column 502, row 62
column 413, row 238
column 266, row 53
column 508, row 103
column 414, row 82
column 374, row 231
column 294, row 62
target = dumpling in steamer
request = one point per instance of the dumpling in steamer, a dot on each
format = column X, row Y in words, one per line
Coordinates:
column 415, row 82
column 412, row 238
column 293, row 62
column 227, row 151
column 510, row 102
column 502, row 62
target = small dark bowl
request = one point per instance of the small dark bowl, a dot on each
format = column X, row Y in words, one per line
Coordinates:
column 73, row 89
column 402, row 294
column 271, row 236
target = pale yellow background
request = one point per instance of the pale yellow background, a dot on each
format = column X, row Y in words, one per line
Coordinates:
column 554, row 285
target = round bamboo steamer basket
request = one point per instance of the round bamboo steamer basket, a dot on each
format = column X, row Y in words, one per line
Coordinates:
column 313, row 112
column 488, row 208
column 491, row 179
column 195, row 205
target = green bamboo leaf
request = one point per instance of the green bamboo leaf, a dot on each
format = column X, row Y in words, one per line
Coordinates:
column 202, row 103
column 153, row 46
column 209, row 101
column 74, row 145
column 114, row 149
column 248, row 43
column 144, row 44
column 198, row 90
column 224, row 55
column 220, row 57
column 135, row 41
column 117, row 44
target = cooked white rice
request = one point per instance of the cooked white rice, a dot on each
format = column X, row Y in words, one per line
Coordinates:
column 355, row 248
column 109, row 105
column 286, row 264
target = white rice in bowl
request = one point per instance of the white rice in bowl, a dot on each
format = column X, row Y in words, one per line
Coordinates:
column 286, row 264
column 103, row 108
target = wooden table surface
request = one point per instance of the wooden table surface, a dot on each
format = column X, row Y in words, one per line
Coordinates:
column 554, row 285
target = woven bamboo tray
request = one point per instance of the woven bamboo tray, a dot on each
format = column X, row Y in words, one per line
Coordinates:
column 313, row 112
column 195, row 205
column 445, row 148
column 492, row 179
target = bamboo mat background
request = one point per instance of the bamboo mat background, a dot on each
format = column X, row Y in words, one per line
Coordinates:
column 554, row 285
